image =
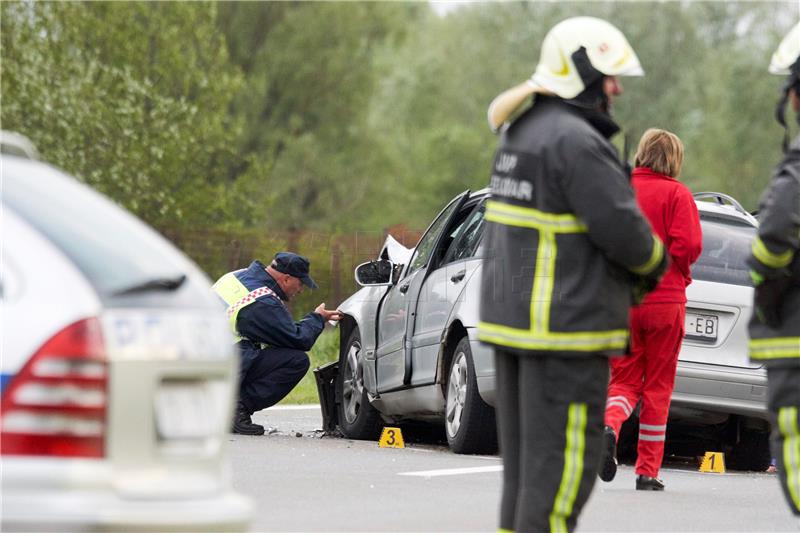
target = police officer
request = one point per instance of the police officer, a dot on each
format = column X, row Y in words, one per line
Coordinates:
column 272, row 345
column 775, row 264
column 566, row 248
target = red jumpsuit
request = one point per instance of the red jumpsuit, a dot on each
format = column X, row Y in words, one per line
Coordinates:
column 648, row 373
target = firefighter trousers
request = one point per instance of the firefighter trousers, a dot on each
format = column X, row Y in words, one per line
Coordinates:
column 784, row 405
column 550, row 422
column 647, row 374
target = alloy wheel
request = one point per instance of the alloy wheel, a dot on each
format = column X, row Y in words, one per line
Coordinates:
column 456, row 394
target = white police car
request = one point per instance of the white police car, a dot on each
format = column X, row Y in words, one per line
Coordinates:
column 117, row 368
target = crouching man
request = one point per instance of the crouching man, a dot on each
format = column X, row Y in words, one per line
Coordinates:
column 272, row 346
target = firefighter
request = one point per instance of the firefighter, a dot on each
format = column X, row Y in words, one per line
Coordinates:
column 775, row 269
column 271, row 344
column 567, row 253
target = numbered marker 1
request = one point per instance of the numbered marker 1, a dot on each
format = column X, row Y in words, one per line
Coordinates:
column 391, row 438
column 713, row 462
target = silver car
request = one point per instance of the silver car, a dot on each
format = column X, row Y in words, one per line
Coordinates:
column 118, row 370
column 409, row 349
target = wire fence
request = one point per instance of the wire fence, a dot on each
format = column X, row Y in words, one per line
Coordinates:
column 333, row 256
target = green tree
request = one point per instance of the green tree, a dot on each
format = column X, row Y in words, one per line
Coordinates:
column 132, row 97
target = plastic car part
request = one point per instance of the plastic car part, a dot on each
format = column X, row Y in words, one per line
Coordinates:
column 56, row 405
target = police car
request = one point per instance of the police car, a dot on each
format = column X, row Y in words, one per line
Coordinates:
column 117, row 368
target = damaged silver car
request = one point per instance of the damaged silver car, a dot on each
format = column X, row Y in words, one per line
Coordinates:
column 409, row 349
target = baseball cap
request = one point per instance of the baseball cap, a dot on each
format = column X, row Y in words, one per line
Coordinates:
column 294, row 265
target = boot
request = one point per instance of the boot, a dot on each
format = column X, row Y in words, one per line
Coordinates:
column 649, row 483
column 608, row 469
column 242, row 424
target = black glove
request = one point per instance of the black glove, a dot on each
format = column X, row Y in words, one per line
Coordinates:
column 768, row 297
column 643, row 285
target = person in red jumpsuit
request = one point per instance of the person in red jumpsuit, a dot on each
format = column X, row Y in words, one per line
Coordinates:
column 648, row 374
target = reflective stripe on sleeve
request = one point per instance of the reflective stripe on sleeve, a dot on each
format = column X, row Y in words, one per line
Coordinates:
column 775, row 348
column 573, row 467
column 788, row 427
column 656, row 255
column 770, row 259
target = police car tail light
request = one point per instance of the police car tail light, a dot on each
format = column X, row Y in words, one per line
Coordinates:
column 56, row 405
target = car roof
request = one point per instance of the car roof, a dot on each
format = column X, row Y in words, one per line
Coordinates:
column 715, row 204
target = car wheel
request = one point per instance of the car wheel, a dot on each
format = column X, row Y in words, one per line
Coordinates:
column 469, row 421
column 751, row 453
column 358, row 419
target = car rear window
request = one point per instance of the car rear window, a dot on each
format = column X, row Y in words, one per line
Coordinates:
column 726, row 245
column 113, row 249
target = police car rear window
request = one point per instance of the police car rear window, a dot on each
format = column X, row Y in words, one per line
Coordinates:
column 112, row 248
column 726, row 246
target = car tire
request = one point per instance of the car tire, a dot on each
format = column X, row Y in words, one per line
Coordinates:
column 358, row 419
column 751, row 453
column 469, row 421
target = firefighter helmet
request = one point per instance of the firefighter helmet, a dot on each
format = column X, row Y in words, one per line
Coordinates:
column 786, row 60
column 572, row 52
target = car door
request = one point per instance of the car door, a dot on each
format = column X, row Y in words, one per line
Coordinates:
column 396, row 314
column 441, row 290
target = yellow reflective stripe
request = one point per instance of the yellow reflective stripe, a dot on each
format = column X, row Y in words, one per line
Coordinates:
column 573, row 467
column 544, row 279
column 581, row 341
column 770, row 259
column 504, row 530
column 528, row 217
column 775, row 348
column 788, row 426
column 655, row 258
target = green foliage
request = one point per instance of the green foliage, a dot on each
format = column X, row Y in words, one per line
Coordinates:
column 243, row 128
column 131, row 97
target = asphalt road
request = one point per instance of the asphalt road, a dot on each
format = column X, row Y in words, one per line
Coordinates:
column 301, row 481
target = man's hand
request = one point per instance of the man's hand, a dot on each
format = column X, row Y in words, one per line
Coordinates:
column 334, row 314
column 768, row 298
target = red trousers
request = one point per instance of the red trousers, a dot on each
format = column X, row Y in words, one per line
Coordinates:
column 647, row 374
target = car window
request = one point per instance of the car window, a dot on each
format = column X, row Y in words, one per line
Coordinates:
column 468, row 237
column 427, row 243
column 112, row 248
column 725, row 249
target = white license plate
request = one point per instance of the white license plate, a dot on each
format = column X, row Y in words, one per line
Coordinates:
column 699, row 326
column 184, row 410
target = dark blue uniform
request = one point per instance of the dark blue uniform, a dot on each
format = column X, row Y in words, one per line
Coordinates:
column 273, row 358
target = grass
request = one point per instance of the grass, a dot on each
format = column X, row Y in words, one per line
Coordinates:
column 325, row 350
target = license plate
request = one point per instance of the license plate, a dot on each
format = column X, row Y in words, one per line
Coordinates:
column 184, row 410
column 701, row 326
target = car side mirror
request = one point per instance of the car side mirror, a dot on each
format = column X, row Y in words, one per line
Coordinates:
column 376, row 273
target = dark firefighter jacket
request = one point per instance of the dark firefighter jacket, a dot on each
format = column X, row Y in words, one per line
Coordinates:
column 565, row 239
column 258, row 315
column 775, row 253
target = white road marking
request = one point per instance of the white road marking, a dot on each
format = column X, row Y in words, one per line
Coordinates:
column 293, row 407
column 453, row 471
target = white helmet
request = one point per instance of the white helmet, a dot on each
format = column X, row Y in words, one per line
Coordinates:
column 787, row 53
column 786, row 60
column 606, row 48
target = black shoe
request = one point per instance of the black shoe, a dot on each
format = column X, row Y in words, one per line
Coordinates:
column 242, row 424
column 609, row 467
column 649, row 483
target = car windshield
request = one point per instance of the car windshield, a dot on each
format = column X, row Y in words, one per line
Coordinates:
column 726, row 246
column 114, row 250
